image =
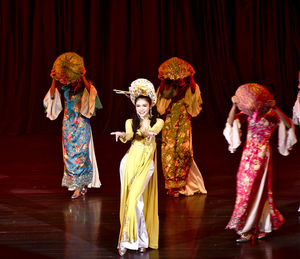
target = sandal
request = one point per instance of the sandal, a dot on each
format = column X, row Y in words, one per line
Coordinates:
column 244, row 238
column 122, row 250
column 142, row 250
column 83, row 190
column 261, row 235
column 76, row 194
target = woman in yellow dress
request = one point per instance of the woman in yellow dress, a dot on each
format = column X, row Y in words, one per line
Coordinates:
column 138, row 173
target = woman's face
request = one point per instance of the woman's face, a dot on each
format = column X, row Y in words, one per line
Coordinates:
column 142, row 107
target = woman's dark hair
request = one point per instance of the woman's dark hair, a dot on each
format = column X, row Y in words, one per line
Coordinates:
column 135, row 118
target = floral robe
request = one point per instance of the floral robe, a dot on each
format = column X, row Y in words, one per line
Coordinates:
column 80, row 166
column 176, row 150
column 254, row 206
column 179, row 167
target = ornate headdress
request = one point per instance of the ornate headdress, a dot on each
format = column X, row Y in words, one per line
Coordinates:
column 68, row 68
column 139, row 87
column 253, row 97
column 144, row 87
column 174, row 69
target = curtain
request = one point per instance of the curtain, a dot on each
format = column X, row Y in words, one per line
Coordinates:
column 227, row 42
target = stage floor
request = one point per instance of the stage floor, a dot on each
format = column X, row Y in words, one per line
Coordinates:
column 39, row 220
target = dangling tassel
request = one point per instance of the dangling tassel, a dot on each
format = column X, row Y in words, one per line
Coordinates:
column 150, row 112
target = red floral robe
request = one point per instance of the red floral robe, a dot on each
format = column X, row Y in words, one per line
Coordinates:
column 254, row 206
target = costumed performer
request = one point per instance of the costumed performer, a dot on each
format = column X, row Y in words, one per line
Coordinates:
column 254, row 214
column 81, row 101
column 179, row 99
column 138, row 172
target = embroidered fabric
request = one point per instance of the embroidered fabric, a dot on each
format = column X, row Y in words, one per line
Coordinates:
column 80, row 170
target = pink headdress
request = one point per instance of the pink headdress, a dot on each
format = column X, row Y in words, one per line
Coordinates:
column 253, row 98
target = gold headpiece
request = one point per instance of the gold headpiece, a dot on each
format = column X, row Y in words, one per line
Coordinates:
column 68, row 68
column 144, row 87
column 174, row 69
column 139, row 87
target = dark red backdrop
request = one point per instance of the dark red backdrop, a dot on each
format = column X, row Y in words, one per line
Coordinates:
column 227, row 42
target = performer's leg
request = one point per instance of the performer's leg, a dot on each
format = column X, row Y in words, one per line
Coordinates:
column 143, row 240
column 142, row 235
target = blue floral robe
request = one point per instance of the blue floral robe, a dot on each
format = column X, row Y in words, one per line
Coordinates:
column 80, row 168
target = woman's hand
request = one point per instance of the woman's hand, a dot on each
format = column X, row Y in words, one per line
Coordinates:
column 83, row 71
column 270, row 104
column 86, row 83
column 286, row 120
column 234, row 100
column 150, row 135
column 118, row 134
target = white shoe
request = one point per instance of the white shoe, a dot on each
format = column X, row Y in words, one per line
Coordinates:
column 122, row 250
column 142, row 250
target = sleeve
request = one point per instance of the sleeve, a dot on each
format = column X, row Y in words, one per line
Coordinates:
column 128, row 131
column 90, row 102
column 162, row 103
column 296, row 111
column 193, row 101
column 53, row 107
column 286, row 138
column 233, row 135
column 157, row 127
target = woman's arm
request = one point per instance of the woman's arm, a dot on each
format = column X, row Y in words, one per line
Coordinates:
column 231, row 115
column 124, row 136
column 287, row 121
column 155, row 129
column 52, row 89
column 86, row 83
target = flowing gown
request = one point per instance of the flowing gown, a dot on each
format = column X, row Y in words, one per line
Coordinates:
column 179, row 167
column 254, row 206
column 80, row 166
column 139, row 200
